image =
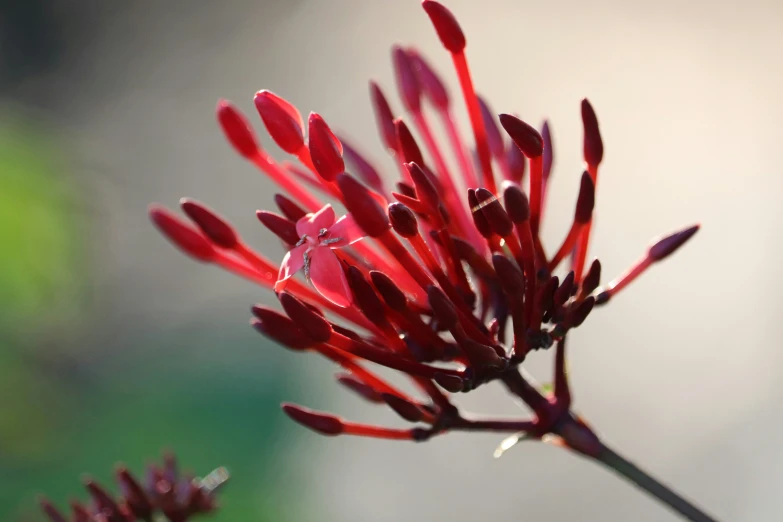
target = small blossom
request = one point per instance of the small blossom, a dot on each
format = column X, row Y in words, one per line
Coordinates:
column 319, row 234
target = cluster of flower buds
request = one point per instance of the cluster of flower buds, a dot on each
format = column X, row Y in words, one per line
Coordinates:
column 164, row 494
column 424, row 276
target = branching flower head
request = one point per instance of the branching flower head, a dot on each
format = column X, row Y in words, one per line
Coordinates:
column 453, row 283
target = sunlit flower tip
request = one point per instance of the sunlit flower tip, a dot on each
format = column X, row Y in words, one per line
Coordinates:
column 213, row 226
column 362, row 167
column 279, row 328
column 426, row 191
column 364, row 208
column 319, row 233
column 403, row 220
column 383, row 116
column 526, row 137
column 593, row 144
column 360, row 388
column 282, row 120
column 366, row 299
column 312, row 324
column 323, row 423
column 289, row 209
column 390, row 292
column 182, row 235
column 586, row 200
column 405, row 409
column 493, row 211
column 407, row 82
column 326, row 151
column 494, row 139
column 666, row 246
column 516, row 203
column 408, row 147
column 479, row 220
column 549, row 153
column 280, row 226
column 442, row 308
column 446, row 25
column 512, row 278
column 430, row 83
column 237, row 129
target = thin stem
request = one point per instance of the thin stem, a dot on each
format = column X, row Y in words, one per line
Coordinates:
column 630, row 471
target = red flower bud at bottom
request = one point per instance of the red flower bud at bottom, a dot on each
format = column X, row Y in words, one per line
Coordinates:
column 323, row 423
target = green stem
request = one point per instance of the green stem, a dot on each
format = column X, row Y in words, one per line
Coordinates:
column 630, row 471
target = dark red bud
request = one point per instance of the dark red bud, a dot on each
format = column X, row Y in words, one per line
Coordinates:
column 323, row 423
column 593, row 144
column 592, row 278
column 564, row 291
column 450, row 383
column 237, row 129
column 467, row 252
column 135, row 496
column 517, row 204
column 407, row 144
column 213, row 226
column 511, row 277
column 479, row 220
column 51, row 511
column 405, row 409
column 282, row 120
column 326, row 151
column 289, row 209
column 279, row 328
column 362, row 167
column 430, row 83
column 581, row 312
column 586, row 200
column 546, row 296
column 493, row 211
column 103, row 500
column 181, row 234
column 383, row 117
column 359, row 388
column 366, row 299
column 425, row 189
column 666, row 246
column 364, row 208
column 602, row 298
column 405, row 189
column 403, row 220
column 517, row 164
column 526, row 137
column 442, row 307
column 407, row 82
column 280, row 226
column 311, row 323
column 80, row 513
column 391, row 293
column 447, row 27
column 495, row 140
column 482, row 355
column 549, row 152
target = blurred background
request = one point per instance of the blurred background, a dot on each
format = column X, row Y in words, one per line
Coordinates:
column 114, row 346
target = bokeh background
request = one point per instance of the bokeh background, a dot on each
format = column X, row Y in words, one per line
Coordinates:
column 114, row 346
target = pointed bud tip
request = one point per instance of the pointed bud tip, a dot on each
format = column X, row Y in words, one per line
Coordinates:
column 669, row 244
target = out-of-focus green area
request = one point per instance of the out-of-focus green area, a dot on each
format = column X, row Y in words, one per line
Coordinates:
column 69, row 406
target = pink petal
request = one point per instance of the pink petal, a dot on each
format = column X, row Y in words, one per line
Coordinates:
column 292, row 263
column 311, row 224
column 346, row 230
column 327, row 276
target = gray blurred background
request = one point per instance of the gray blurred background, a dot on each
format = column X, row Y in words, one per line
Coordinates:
column 115, row 345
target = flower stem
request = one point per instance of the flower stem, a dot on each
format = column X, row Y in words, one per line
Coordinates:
column 630, row 471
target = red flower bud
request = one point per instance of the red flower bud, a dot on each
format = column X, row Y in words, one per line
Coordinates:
column 581, row 312
column 426, row 191
column 666, row 246
column 212, row 225
column 447, row 27
column 592, row 278
column 384, row 117
column 430, row 83
column 586, row 200
column 366, row 299
column 326, row 151
column 549, row 153
column 282, row 227
column 282, row 120
column 479, row 220
column 362, row 167
column 358, row 387
column 237, row 129
column 511, row 277
column 405, row 409
column 312, row 324
column 494, row 138
column 407, row 82
column 390, row 292
column 364, row 208
column 403, row 220
column 323, row 423
column 517, row 205
column 279, row 328
column 442, row 307
column 289, row 209
column 493, row 212
column 593, row 144
column 407, row 144
column 182, row 235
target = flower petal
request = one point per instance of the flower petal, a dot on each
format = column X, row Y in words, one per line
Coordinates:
column 346, row 230
column 292, row 263
column 327, row 276
column 311, row 224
